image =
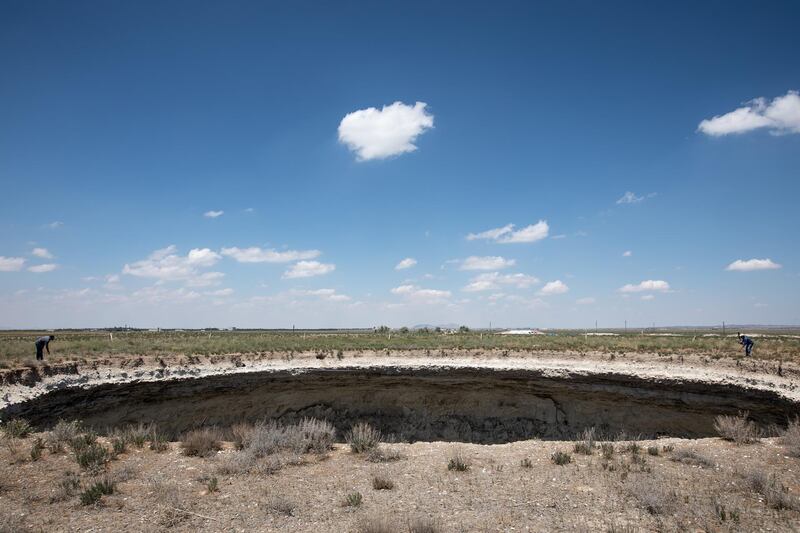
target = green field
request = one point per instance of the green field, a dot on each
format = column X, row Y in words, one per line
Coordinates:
column 17, row 346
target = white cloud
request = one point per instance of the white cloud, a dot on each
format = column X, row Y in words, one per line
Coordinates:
column 554, row 287
column 166, row 265
column 380, row 133
column 627, row 253
column 11, row 264
column 413, row 292
column 48, row 267
column 644, row 286
column 781, row 116
column 749, row 265
column 585, row 301
column 408, row 262
column 42, row 252
column 507, row 235
column 486, row 263
column 494, row 280
column 307, row 269
column 213, row 214
column 206, row 279
column 159, row 294
column 648, row 297
column 54, row 225
column 325, row 294
column 220, row 292
column 255, row 254
column 630, row 198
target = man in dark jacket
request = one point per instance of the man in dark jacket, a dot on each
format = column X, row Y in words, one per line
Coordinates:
column 43, row 343
column 747, row 342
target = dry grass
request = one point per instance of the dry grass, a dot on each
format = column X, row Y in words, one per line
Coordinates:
column 791, row 438
column 353, row 499
column 384, row 455
column 653, row 495
column 561, row 458
column 281, row 505
column 424, row 524
column 61, row 435
column 382, row 482
column 776, row 494
column 93, row 457
column 586, row 442
column 16, row 428
column 691, row 457
column 458, row 461
column 738, row 429
column 201, row 442
column 376, row 524
column 363, row 437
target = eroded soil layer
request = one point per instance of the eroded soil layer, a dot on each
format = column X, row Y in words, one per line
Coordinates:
column 476, row 405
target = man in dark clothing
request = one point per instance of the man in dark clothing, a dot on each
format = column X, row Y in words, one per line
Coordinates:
column 747, row 342
column 43, row 343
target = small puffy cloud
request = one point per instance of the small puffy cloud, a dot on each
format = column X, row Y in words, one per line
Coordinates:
column 213, row 214
column 11, row 264
column 324, row 294
column 255, row 254
column 408, row 262
column 507, row 234
column 380, row 133
column 413, row 292
column 585, row 301
column 486, row 263
column 630, row 198
column 220, row 292
column 42, row 252
column 167, row 265
column 646, row 286
column 554, row 287
column 627, row 253
column 54, row 225
column 307, row 269
column 648, row 297
column 749, row 265
column 494, row 280
column 781, row 116
column 47, row 267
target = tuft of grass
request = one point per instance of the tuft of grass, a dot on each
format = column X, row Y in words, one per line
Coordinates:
column 36, row 449
column 66, row 487
column 16, row 428
column 61, row 435
column 201, row 442
column 138, row 434
column 586, row 442
column 526, row 463
column 376, row 524
column 363, row 437
column 776, row 494
column 737, row 429
column 212, row 484
column 791, row 437
column 382, row 482
column 92, row 457
column 424, row 524
column 118, row 445
column 458, row 462
column 560, row 458
column 353, row 499
column 653, row 495
column 725, row 514
column 241, row 433
column 607, row 449
column 81, row 441
column 691, row 457
column 633, row 447
column 652, row 450
column 384, row 455
column 158, row 442
column 281, row 505
column 96, row 491
column 668, row 448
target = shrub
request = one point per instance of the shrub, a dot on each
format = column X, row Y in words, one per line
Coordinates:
column 738, row 429
column 353, row 499
column 586, row 442
column 92, row 495
column 241, row 433
column 423, row 524
column 314, row 436
column 607, row 449
column 776, row 494
column 633, row 447
column 36, row 449
column 458, row 462
column 653, row 495
column 66, row 487
column 667, row 448
column 212, row 484
column 560, row 458
column 118, row 445
column 281, row 505
column 652, row 450
column 81, row 441
column 61, row 435
column 691, row 457
column 138, row 434
column 363, row 437
column 791, row 437
column 384, row 455
column 376, row 524
column 201, row 442
column 526, row 463
column 93, row 457
column 158, row 442
column 17, row 428
column 380, row 482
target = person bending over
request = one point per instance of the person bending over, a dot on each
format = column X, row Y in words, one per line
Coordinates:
column 43, row 343
column 747, row 342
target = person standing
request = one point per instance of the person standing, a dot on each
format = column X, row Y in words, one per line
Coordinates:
column 747, row 342
column 43, row 343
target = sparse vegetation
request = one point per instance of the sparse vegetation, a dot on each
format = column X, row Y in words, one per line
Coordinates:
column 353, row 499
column 376, row 524
column 36, row 449
column 791, row 437
column 158, row 442
column 202, row 442
column 776, row 494
column 380, row 454
column 212, row 485
column 738, row 429
column 16, row 428
column 96, row 491
column 62, row 435
column 691, row 457
column 363, row 437
column 654, row 495
column 382, row 482
column 607, row 449
column 458, row 461
column 424, row 524
column 92, row 457
column 652, row 450
column 526, row 463
column 281, row 505
column 561, row 458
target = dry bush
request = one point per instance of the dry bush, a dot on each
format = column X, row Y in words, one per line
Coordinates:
column 586, row 442
column 281, row 505
column 363, row 437
column 424, row 524
column 137, row 435
column 61, row 435
column 313, row 435
column 16, row 428
column 66, row 488
column 11, row 523
column 384, row 455
column 170, row 502
column 607, row 449
column 560, row 458
column 691, row 457
column 458, row 461
column 791, row 437
column 653, row 495
column 94, row 492
column 652, row 450
column 738, row 429
column 241, row 434
column 93, row 457
column 776, row 494
column 376, row 524
column 36, row 449
column 202, row 442
column 382, row 482
column 158, row 442
column 526, row 463
column 353, row 499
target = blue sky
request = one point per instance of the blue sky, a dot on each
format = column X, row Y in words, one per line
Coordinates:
column 338, row 139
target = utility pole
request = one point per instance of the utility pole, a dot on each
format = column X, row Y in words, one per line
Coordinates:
column 595, row 326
